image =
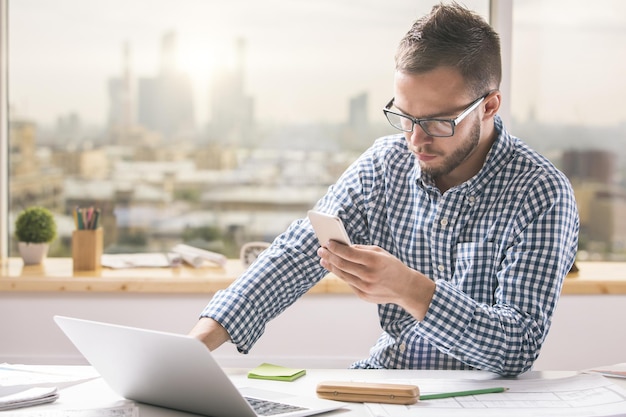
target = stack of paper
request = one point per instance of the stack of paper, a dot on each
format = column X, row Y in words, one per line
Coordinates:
column 17, row 397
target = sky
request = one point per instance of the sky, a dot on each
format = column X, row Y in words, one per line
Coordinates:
column 305, row 58
column 570, row 60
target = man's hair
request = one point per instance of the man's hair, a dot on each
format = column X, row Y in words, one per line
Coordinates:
column 452, row 36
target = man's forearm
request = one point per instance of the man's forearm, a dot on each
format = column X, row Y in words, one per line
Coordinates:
column 210, row 332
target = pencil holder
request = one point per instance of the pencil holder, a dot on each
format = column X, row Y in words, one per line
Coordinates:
column 87, row 249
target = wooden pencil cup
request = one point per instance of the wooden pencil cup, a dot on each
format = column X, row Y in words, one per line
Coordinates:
column 87, row 249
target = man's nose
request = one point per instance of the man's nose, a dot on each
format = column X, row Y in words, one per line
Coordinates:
column 418, row 136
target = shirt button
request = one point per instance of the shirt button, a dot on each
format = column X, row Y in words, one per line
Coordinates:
column 444, row 222
column 402, row 347
column 471, row 199
column 441, row 268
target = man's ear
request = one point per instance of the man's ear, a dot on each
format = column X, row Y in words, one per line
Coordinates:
column 492, row 104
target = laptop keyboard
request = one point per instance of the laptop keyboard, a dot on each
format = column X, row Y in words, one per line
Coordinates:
column 271, row 408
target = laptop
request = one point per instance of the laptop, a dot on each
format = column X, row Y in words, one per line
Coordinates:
column 176, row 371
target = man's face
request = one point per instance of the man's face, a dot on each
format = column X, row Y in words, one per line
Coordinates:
column 446, row 163
column 440, row 93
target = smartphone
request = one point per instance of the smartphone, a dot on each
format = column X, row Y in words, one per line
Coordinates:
column 328, row 227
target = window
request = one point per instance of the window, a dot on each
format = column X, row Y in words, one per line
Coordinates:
column 567, row 102
column 209, row 122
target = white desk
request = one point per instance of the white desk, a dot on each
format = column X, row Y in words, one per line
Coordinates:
column 95, row 393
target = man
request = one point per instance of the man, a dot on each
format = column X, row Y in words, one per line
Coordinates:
column 462, row 234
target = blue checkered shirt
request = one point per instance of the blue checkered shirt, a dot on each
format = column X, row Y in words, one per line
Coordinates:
column 497, row 246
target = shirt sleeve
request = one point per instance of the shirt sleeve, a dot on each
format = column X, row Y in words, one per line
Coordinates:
column 279, row 276
column 287, row 269
column 506, row 337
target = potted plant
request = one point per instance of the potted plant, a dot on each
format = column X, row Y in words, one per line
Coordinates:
column 35, row 228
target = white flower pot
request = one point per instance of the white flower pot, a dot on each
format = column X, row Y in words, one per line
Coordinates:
column 32, row 253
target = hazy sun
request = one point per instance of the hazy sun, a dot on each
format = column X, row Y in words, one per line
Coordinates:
column 196, row 63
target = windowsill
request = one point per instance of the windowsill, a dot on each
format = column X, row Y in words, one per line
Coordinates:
column 56, row 274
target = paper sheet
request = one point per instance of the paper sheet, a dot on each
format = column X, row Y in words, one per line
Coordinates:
column 578, row 396
column 140, row 260
column 127, row 410
column 11, row 375
column 613, row 371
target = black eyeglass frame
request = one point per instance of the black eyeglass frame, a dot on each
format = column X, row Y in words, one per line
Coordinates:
column 422, row 122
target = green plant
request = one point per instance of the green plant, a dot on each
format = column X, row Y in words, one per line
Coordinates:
column 35, row 225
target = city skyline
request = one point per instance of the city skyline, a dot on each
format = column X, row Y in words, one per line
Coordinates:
column 304, row 63
column 273, row 41
column 241, row 171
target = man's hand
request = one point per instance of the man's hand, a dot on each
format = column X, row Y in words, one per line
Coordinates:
column 379, row 277
column 209, row 332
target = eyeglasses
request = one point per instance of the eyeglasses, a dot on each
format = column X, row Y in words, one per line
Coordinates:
column 435, row 127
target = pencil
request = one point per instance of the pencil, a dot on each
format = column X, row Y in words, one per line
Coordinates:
column 462, row 393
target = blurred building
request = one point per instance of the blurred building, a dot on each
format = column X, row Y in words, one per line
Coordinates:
column 232, row 111
column 357, row 134
column 590, row 165
column 122, row 101
column 86, row 163
column 165, row 102
column 357, row 118
column 33, row 178
column 601, row 201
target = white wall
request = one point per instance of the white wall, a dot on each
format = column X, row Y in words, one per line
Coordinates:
column 587, row 331
column 318, row 331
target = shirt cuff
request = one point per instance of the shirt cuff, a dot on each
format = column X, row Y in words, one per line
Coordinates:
column 448, row 316
column 238, row 316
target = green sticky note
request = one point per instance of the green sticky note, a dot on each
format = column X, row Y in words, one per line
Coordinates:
column 275, row 372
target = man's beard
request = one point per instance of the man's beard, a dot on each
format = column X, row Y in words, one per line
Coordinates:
column 451, row 162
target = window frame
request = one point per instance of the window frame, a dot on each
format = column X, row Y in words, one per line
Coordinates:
column 4, row 130
column 500, row 17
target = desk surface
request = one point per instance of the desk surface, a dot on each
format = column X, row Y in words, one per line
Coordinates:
column 96, row 393
column 56, row 274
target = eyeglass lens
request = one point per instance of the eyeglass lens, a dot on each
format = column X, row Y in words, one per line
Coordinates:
column 430, row 127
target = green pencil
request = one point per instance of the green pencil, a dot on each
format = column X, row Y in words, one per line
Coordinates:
column 462, row 393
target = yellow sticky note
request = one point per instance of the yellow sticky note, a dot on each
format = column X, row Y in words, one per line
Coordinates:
column 275, row 372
